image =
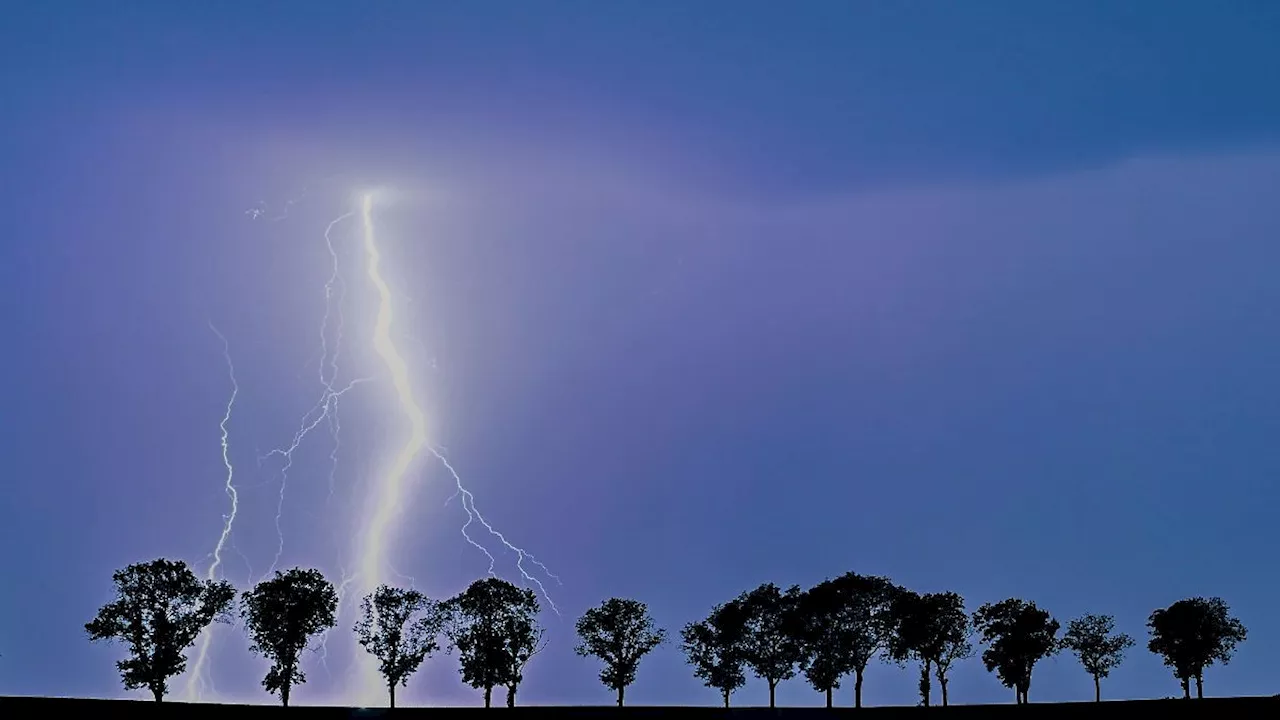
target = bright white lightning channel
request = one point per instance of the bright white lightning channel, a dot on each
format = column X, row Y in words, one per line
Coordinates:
column 373, row 556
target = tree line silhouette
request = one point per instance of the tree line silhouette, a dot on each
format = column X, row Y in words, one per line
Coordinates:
column 825, row 633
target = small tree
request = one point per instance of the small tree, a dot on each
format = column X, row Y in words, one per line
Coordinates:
column 1018, row 635
column 714, row 647
column 160, row 609
column 493, row 624
column 282, row 614
column 1100, row 651
column 400, row 628
column 1193, row 634
column 934, row 630
column 772, row 646
column 619, row 632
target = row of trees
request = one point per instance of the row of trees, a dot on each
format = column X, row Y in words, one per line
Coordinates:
column 161, row 607
column 828, row 632
column 836, row 628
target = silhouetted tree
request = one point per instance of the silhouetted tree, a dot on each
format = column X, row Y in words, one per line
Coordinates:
column 493, row 624
column 400, row 628
column 844, row 622
column 1018, row 635
column 159, row 611
column 772, row 646
column 1193, row 634
column 525, row 638
column 824, row 661
column 1100, row 651
column 282, row 614
column 619, row 632
column 933, row 629
column 714, row 647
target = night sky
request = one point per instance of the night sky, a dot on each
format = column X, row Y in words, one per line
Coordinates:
column 980, row 296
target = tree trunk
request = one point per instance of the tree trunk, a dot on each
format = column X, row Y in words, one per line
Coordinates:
column 158, row 692
column 924, row 683
column 726, row 697
column 511, row 695
column 392, row 688
column 942, row 683
column 1186, row 688
column 1097, row 689
column 284, row 693
column 622, row 690
column 828, row 697
column 1199, row 687
column 857, row 687
column 488, row 696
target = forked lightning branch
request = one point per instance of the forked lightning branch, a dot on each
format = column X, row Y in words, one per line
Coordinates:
column 384, row 503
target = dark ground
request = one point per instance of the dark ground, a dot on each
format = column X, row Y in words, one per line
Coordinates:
column 1224, row 708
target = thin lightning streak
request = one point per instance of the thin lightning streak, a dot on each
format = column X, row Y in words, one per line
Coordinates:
column 473, row 514
column 196, row 678
column 413, row 583
column 341, row 591
column 335, row 279
column 327, row 405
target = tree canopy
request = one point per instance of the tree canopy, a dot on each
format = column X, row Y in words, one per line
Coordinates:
column 714, row 647
column 1099, row 649
column 493, row 624
column 843, row 623
column 1018, row 635
column 400, row 628
column 1193, row 634
column 772, row 647
column 282, row 614
column 619, row 632
column 934, row 629
column 160, row 609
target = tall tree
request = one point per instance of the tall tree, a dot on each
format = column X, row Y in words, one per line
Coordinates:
column 1193, row 634
column 525, row 638
column 824, row 660
column 160, row 609
column 844, row 623
column 493, row 624
column 772, row 647
column 282, row 614
column 1018, row 635
column 932, row 629
column 1099, row 648
column 714, row 647
column 400, row 628
column 619, row 632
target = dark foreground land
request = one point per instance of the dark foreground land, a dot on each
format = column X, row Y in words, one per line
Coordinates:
column 1225, row 708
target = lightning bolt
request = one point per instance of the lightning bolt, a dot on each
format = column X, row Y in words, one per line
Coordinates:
column 388, row 497
column 413, row 583
column 341, row 591
column 197, row 679
column 386, row 492
column 326, row 408
column 474, row 515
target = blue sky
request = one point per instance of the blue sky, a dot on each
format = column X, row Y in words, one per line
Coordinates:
column 978, row 296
